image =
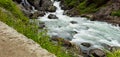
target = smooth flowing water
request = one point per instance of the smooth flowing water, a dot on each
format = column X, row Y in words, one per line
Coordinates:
column 94, row 32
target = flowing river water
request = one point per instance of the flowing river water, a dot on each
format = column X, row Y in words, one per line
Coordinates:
column 84, row 30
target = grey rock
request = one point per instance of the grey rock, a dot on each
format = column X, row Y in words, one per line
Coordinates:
column 37, row 14
column 86, row 44
column 52, row 16
column 73, row 22
column 97, row 53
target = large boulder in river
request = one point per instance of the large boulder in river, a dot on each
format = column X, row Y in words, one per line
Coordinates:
column 97, row 53
column 37, row 14
column 86, row 44
column 73, row 22
column 52, row 16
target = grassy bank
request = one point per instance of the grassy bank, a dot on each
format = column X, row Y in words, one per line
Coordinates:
column 11, row 15
column 113, row 54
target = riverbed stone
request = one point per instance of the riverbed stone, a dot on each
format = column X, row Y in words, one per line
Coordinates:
column 68, row 46
column 73, row 22
column 97, row 53
column 41, row 25
column 37, row 14
column 64, row 42
column 86, row 44
column 52, row 16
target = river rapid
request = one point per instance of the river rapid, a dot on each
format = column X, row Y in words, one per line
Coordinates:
column 82, row 30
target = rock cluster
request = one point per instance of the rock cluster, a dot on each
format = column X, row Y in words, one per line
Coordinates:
column 42, row 6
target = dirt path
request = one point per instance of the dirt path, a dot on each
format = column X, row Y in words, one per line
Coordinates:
column 14, row 44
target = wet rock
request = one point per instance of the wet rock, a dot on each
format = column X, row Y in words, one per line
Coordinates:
column 52, row 8
column 97, row 53
column 35, row 3
column 106, row 46
column 75, row 50
column 24, row 10
column 73, row 22
column 41, row 25
column 64, row 42
column 52, row 16
column 86, row 44
column 37, row 14
column 74, row 32
column 68, row 46
column 29, row 14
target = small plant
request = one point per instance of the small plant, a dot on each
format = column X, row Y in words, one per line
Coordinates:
column 113, row 54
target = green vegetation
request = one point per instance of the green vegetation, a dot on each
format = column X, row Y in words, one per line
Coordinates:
column 116, row 13
column 86, row 9
column 113, row 54
column 71, row 3
column 11, row 15
column 85, row 6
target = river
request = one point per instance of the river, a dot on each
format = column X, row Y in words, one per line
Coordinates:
column 83, row 30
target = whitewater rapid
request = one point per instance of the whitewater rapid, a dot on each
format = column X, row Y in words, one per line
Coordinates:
column 93, row 32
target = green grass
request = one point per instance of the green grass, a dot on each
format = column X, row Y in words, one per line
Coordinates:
column 113, row 54
column 11, row 15
column 116, row 13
